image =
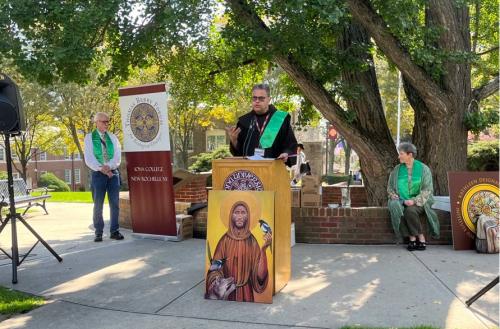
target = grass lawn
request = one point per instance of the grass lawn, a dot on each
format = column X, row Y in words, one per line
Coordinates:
column 12, row 302
column 79, row 197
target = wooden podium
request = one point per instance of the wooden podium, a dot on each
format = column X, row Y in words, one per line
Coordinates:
column 263, row 175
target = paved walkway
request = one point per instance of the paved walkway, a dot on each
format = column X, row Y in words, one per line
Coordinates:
column 138, row 283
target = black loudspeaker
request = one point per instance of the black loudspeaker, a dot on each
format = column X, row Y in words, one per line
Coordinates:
column 12, row 118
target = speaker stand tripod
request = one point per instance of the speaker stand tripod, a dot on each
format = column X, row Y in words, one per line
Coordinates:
column 13, row 216
column 482, row 291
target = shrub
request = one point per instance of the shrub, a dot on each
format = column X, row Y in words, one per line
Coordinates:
column 331, row 179
column 482, row 156
column 3, row 175
column 203, row 161
column 51, row 181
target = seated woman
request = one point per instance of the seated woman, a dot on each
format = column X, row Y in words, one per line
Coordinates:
column 410, row 195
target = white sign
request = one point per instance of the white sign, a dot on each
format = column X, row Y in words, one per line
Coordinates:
column 145, row 122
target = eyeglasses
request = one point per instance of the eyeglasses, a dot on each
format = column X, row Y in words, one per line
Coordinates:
column 258, row 98
column 104, row 121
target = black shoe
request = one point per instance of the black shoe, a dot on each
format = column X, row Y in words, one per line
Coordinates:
column 116, row 236
column 421, row 245
column 98, row 238
column 412, row 245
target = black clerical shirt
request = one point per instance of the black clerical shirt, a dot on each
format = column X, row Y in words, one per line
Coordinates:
column 252, row 126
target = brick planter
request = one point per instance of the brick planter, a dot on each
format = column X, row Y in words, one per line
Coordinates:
column 367, row 225
column 200, row 223
column 194, row 192
column 124, row 219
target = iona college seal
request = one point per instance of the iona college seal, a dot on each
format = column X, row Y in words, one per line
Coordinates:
column 144, row 122
column 243, row 180
column 480, row 199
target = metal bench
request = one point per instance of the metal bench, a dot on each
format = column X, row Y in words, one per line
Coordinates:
column 22, row 196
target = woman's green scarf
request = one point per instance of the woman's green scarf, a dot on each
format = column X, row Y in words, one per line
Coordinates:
column 97, row 141
column 409, row 190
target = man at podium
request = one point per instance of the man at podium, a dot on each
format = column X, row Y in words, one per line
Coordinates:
column 264, row 131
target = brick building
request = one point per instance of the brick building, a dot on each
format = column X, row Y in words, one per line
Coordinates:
column 70, row 169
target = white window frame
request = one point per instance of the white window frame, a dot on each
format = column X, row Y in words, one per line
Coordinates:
column 67, row 174
column 219, row 136
column 77, row 176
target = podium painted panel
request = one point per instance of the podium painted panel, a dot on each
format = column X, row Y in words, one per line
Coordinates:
column 263, row 175
column 239, row 260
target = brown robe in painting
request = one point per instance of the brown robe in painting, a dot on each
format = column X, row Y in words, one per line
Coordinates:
column 245, row 261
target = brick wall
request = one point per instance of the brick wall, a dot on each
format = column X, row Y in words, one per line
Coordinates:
column 331, row 194
column 124, row 219
column 194, row 192
column 368, row 225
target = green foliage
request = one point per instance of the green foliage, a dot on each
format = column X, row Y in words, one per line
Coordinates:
column 12, row 302
column 483, row 156
column 333, row 179
column 51, row 39
column 204, row 160
column 478, row 121
column 50, row 181
column 3, row 175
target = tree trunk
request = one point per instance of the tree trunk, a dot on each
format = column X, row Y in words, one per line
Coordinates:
column 435, row 131
column 440, row 103
column 347, row 164
column 377, row 161
column 429, row 136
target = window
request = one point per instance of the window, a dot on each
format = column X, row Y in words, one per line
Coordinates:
column 67, row 176
column 77, row 176
column 215, row 138
column 16, row 175
column 42, row 156
column 2, row 154
column 67, row 155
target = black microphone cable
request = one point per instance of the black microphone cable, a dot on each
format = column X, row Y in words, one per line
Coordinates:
column 248, row 138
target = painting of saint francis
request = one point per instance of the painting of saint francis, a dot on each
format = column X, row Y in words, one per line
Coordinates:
column 240, row 270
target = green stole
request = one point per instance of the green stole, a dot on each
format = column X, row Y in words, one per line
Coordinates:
column 96, row 140
column 406, row 192
column 272, row 129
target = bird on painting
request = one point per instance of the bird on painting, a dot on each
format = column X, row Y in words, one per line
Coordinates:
column 265, row 226
column 216, row 264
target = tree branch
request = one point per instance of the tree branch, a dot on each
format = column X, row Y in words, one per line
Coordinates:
column 487, row 51
column 247, row 62
column 431, row 92
column 486, row 90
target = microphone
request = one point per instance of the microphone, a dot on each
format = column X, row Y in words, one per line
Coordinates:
column 248, row 138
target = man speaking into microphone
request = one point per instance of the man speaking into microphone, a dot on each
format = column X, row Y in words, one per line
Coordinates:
column 264, row 131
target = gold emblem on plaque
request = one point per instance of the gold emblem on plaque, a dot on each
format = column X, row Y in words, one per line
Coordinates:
column 144, row 122
column 480, row 199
